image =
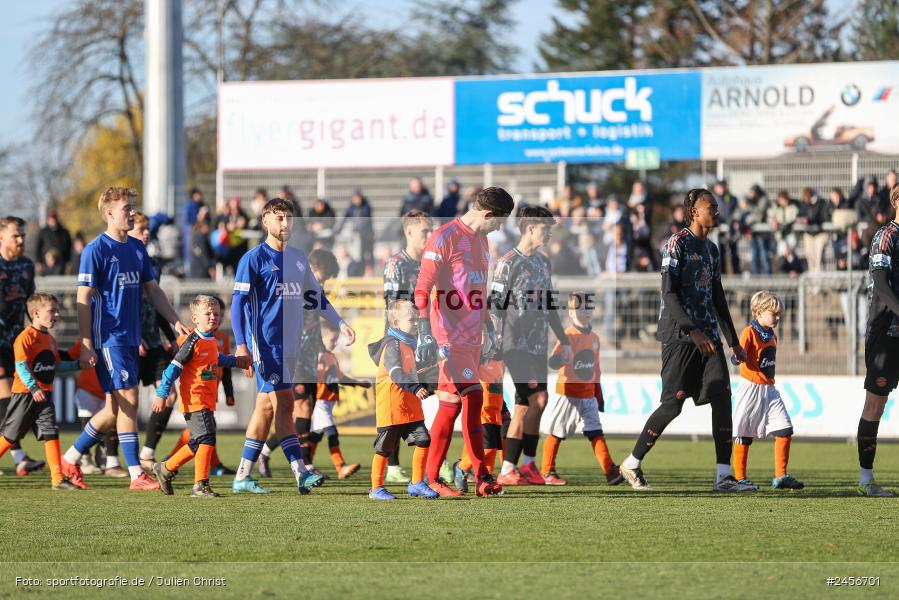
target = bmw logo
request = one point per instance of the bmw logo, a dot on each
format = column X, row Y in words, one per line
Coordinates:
column 468, row 373
column 851, row 95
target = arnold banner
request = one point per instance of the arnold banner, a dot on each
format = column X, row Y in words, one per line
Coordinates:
column 761, row 112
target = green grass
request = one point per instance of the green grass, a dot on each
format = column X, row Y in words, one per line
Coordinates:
column 577, row 541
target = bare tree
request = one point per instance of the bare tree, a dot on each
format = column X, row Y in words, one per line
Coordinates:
column 89, row 70
column 769, row 31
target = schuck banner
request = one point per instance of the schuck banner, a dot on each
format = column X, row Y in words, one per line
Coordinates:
column 591, row 118
column 770, row 111
column 358, row 123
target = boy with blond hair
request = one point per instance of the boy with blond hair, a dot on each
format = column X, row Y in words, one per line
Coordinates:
column 398, row 396
column 580, row 393
column 197, row 364
column 31, row 407
column 758, row 407
column 224, row 375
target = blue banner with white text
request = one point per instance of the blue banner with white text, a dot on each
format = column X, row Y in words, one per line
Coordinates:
column 593, row 118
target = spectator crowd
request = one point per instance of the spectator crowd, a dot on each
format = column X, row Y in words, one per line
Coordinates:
column 760, row 233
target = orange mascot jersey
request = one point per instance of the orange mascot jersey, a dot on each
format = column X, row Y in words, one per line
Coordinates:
column 329, row 375
column 198, row 359
column 760, row 355
column 87, row 378
column 39, row 350
column 395, row 402
column 580, row 377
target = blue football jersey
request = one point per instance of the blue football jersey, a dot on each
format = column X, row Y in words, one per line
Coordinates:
column 117, row 271
column 281, row 289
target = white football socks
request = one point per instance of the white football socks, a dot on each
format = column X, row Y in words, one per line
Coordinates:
column 244, row 469
column 865, row 476
column 631, row 462
column 722, row 471
column 72, row 456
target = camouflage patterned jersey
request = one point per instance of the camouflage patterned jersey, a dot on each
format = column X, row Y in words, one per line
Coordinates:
column 400, row 277
column 151, row 322
column 884, row 256
column 692, row 267
column 521, row 298
column 16, row 285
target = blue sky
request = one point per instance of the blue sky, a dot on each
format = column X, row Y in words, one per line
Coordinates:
column 21, row 22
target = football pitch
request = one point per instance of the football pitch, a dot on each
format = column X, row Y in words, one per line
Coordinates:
column 583, row 540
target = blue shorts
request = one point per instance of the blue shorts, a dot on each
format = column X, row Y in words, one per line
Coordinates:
column 270, row 374
column 117, row 367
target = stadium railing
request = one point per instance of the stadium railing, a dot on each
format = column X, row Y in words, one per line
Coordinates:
column 821, row 331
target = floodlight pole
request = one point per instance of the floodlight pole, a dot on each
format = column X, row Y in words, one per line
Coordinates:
column 220, row 79
column 164, row 164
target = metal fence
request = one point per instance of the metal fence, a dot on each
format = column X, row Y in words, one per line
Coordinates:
column 821, row 331
column 792, row 172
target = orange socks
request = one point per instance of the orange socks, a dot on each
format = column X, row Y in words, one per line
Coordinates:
column 179, row 458
column 781, row 454
column 336, row 456
column 51, row 451
column 378, row 464
column 216, row 461
column 601, row 451
column 741, row 458
column 550, row 451
column 203, row 462
column 419, row 462
column 465, row 462
column 490, row 459
column 5, row 445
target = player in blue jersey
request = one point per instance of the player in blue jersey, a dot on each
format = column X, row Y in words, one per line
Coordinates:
column 274, row 287
column 114, row 269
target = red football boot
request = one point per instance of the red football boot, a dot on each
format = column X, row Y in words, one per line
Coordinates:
column 488, row 487
column 532, row 475
column 552, row 478
column 144, row 483
column 444, row 490
column 73, row 474
column 512, row 478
